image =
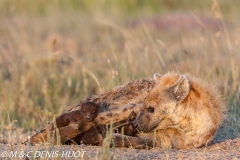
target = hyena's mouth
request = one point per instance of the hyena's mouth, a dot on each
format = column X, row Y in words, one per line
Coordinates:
column 136, row 130
column 140, row 127
column 145, row 128
column 152, row 128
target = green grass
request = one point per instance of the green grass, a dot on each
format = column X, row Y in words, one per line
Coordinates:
column 55, row 53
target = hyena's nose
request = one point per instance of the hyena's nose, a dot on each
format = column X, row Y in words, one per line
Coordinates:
column 134, row 123
column 88, row 118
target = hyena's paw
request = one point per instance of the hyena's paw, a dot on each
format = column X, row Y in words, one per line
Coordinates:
column 113, row 140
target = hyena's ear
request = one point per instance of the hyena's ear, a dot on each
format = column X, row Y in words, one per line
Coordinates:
column 80, row 105
column 156, row 77
column 180, row 89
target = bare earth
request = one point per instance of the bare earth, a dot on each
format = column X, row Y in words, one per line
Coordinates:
column 228, row 149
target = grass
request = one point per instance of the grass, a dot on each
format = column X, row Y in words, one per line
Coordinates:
column 55, row 53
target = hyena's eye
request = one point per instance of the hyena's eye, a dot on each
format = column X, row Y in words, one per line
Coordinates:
column 93, row 112
column 150, row 109
column 84, row 111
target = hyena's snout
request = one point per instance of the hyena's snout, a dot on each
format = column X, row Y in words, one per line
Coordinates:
column 135, row 124
column 138, row 123
column 88, row 117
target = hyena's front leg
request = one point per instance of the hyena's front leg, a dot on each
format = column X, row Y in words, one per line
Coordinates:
column 119, row 140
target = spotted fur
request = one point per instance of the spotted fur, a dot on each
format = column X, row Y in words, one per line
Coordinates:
column 112, row 103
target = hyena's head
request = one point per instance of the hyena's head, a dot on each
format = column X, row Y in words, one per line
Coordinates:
column 89, row 111
column 171, row 90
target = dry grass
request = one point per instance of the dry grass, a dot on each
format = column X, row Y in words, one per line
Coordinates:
column 53, row 54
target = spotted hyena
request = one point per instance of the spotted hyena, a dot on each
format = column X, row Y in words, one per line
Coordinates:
column 173, row 111
column 72, row 122
column 180, row 112
column 88, row 112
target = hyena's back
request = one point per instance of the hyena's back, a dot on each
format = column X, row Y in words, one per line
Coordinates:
column 117, row 103
column 206, row 109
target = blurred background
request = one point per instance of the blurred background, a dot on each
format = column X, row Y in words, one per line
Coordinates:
column 55, row 53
